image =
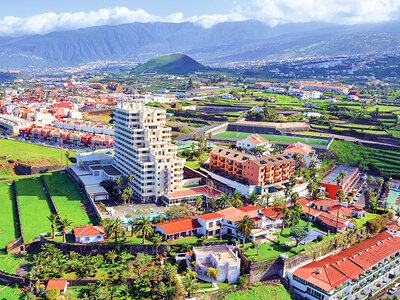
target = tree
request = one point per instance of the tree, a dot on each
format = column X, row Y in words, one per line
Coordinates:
column 131, row 177
column 127, row 194
column 111, row 256
column 224, row 201
column 64, row 224
column 132, row 223
column 53, row 218
column 244, row 227
column 144, row 227
column 190, row 274
column 198, row 202
column 254, row 198
column 370, row 181
column 38, row 286
column 114, row 227
column 157, row 240
column 340, row 195
column 191, row 286
column 288, row 194
column 213, row 273
column 257, row 245
column 170, row 273
column 313, row 190
column 298, row 234
column 379, row 184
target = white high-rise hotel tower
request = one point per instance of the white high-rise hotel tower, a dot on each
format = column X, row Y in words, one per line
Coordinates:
column 143, row 147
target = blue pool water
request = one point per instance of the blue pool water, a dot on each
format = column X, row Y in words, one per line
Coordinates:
column 152, row 216
column 312, row 235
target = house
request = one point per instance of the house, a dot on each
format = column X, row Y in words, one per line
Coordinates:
column 330, row 184
column 301, row 149
column 310, row 105
column 224, row 258
column 58, row 284
column 88, row 234
column 333, row 223
column 253, row 141
column 180, row 228
column 354, row 273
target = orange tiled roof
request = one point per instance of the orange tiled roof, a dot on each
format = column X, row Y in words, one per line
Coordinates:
column 56, row 284
column 197, row 191
column 273, row 212
column 88, row 230
column 210, row 216
column 298, row 148
column 179, row 225
column 235, row 214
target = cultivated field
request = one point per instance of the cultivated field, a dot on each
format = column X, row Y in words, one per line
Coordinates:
column 12, row 152
column 34, row 208
column 274, row 138
column 8, row 219
column 67, row 198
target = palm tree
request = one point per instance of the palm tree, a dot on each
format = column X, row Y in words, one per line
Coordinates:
column 145, row 227
column 340, row 197
column 190, row 274
column 387, row 187
column 213, row 273
column 236, row 202
column 288, row 194
column 266, row 196
column 236, row 195
column 131, row 177
column 293, row 181
column 370, row 181
column 132, row 223
column 198, row 202
column 64, row 224
column 126, row 194
column 38, row 286
column 244, row 226
column 379, row 184
column 313, row 189
column 115, row 227
column 295, row 197
column 224, row 201
column 254, row 198
column 170, row 273
column 53, row 218
column 191, row 286
column 112, row 256
column 157, row 240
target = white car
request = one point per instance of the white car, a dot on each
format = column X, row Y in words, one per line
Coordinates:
column 392, row 291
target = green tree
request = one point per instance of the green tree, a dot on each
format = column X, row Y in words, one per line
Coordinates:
column 254, row 198
column 126, row 194
column 224, row 201
column 298, row 234
column 198, row 202
column 157, row 240
column 111, row 256
column 64, row 224
column 244, row 227
column 257, row 244
column 144, row 227
column 191, row 285
column 213, row 273
column 53, row 218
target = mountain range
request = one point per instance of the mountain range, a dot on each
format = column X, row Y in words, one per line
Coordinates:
column 224, row 42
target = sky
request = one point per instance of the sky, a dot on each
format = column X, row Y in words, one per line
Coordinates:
column 25, row 17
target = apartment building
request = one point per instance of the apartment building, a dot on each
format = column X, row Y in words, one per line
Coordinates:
column 11, row 125
column 354, row 273
column 224, row 258
column 250, row 169
column 253, row 141
column 143, row 147
column 330, row 184
column 317, row 86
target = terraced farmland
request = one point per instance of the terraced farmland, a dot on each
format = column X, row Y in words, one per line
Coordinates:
column 8, row 220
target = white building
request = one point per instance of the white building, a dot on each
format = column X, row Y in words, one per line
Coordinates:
column 44, row 118
column 11, row 125
column 301, row 149
column 253, row 141
column 88, row 234
column 143, row 147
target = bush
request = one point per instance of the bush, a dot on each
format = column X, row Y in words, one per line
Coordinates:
column 320, row 238
column 243, row 281
column 52, row 294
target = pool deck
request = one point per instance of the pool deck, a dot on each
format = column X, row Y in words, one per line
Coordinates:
column 121, row 210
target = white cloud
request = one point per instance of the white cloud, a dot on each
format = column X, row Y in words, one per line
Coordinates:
column 336, row 11
column 272, row 12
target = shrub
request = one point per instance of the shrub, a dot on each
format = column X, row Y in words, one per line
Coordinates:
column 243, row 281
column 320, row 238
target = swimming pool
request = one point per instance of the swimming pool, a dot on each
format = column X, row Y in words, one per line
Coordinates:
column 125, row 220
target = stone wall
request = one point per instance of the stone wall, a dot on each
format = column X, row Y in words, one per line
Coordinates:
column 22, row 169
column 53, row 205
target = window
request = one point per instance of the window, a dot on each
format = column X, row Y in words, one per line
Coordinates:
column 222, row 267
column 233, row 268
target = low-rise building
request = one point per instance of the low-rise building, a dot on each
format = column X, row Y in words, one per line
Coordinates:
column 330, row 184
column 88, row 234
column 304, row 150
column 354, row 273
column 224, row 258
column 253, row 141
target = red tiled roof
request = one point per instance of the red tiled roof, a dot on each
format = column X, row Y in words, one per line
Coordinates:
column 88, row 230
column 331, row 220
column 298, row 148
column 273, row 212
column 249, row 208
column 235, row 214
column 179, row 225
column 345, row 211
column 193, row 192
column 56, row 284
column 393, row 225
column 325, row 202
column 256, row 139
column 349, row 263
column 210, row 216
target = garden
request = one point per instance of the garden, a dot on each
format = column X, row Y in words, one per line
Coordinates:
column 260, row 292
column 9, row 220
column 67, row 198
column 34, row 207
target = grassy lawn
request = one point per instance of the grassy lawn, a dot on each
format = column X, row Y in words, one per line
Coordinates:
column 273, row 250
column 10, row 292
column 68, row 198
column 261, row 292
column 34, row 208
column 9, row 262
column 192, row 164
column 275, row 138
column 195, row 240
column 361, row 222
column 9, row 220
column 27, row 153
column 312, row 133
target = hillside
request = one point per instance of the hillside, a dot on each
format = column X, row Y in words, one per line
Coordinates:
column 224, row 42
column 170, row 64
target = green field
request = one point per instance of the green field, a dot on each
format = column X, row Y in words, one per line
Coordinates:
column 274, row 138
column 34, row 208
column 67, row 198
column 10, row 292
column 352, row 154
column 261, row 292
column 26, row 153
column 9, row 220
